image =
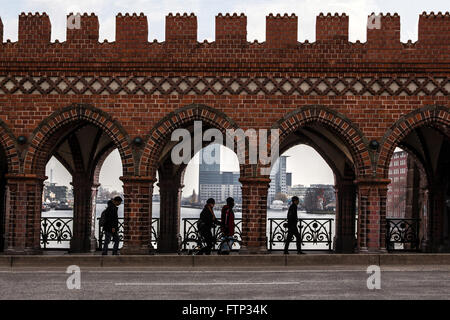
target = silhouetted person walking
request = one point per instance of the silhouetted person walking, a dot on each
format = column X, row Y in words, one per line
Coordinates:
column 292, row 227
column 227, row 226
column 205, row 224
column 111, row 225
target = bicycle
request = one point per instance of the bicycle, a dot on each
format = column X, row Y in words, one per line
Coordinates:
column 226, row 242
column 199, row 245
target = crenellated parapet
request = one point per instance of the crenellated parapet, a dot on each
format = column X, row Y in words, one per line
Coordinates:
column 181, row 48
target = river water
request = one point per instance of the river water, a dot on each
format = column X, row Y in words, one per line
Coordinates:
column 195, row 213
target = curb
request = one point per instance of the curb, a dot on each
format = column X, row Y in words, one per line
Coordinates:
column 185, row 261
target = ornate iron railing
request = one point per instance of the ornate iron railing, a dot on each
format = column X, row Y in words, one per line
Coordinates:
column 402, row 234
column 153, row 239
column 191, row 236
column 56, row 230
column 313, row 231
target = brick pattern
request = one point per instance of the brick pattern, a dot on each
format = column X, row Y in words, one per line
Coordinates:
column 434, row 115
column 9, row 147
column 372, row 194
column 45, row 136
column 324, row 85
column 350, row 134
column 254, row 214
column 137, row 214
column 23, row 214
column 160, row 135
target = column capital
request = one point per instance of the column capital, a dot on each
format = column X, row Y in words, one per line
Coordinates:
column 173, row 184
column 138, row 179
column 254, row 180
column 14, row 176
column 370, row 181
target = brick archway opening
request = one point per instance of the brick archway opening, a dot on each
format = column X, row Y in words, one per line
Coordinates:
column 80, row 138
column 336, row 228
column 344, row 148
column 424, row 135
column 157, row 157
column 218, row 180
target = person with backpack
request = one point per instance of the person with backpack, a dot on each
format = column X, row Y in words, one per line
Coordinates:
column 110, row 223
column 206, row 222
column 227, row 226
column 292, row 227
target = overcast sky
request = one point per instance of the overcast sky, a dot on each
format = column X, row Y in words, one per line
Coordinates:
column 303, row 160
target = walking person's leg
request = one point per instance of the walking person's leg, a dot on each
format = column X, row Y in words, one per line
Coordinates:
column 209, row 242
column 288, row 241
column 106, row 243
column 298, row 241
column 116, row 243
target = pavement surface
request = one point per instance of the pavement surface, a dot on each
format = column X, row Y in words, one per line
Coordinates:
column 249, row 283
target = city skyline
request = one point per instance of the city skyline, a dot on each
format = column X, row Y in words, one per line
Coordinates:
column 305, row 164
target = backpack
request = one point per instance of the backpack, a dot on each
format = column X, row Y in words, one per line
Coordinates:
column 101, row 222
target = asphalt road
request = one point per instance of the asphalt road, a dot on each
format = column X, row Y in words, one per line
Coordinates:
column 257, row 283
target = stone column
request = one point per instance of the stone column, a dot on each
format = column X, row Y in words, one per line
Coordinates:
column 23, row 213
column 372, row 194
column 82, row 214
column 345, row 216
column 436, row 217
column 424, row 213
column 412, row 190
column 93, row 239
column 169, row 228
column 254, row 214
column 138, row 193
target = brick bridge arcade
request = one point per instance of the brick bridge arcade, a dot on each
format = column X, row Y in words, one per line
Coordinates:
column 353, row 102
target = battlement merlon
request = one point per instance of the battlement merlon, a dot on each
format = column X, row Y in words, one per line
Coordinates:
column 34, row 28
column 383, row 31
column 131, row 29
column 281, row 31
column 181, row 28
column 332, row 28
column 84, row 30
column 434, row 28
column 231, row 28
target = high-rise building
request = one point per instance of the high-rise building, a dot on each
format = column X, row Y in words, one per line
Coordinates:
column 280, row 180
column 396, row 196
column 216, row 184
